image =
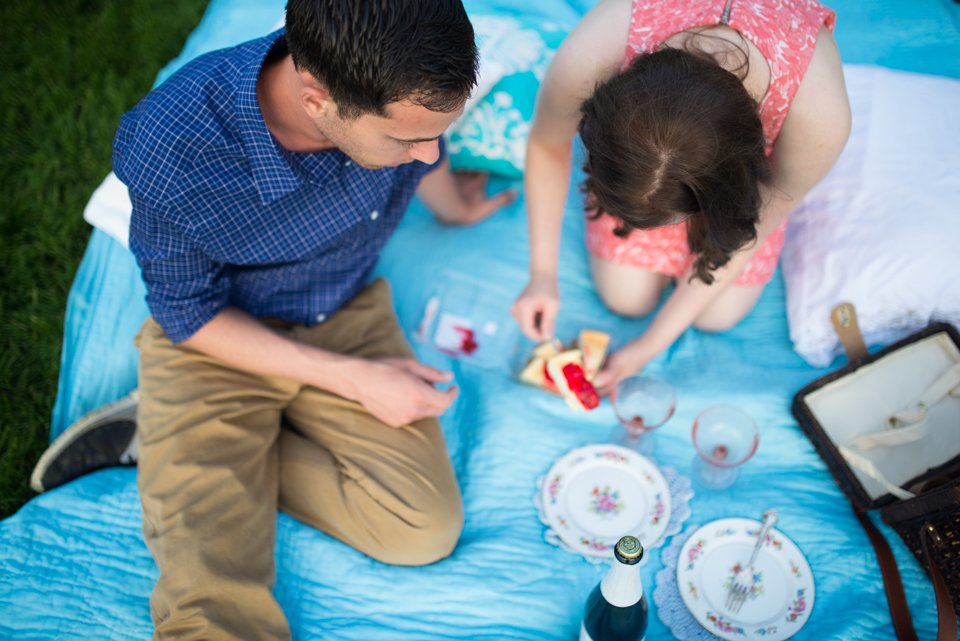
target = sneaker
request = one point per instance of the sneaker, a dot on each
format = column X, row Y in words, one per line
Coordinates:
column 105, row 437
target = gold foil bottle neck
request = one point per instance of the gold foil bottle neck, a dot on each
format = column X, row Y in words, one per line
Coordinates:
column 628, row 550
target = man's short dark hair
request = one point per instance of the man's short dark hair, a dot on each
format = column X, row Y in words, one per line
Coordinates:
column 369, row 53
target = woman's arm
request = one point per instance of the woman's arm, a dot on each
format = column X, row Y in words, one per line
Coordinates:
column 810, row 141
column 591, row 53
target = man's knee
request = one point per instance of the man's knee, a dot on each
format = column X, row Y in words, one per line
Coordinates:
column 431, row 539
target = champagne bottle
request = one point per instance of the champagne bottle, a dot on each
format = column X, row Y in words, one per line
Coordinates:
column 616, row 609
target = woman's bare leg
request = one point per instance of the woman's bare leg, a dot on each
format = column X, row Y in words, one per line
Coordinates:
column 634, row 293
column 729, row 309
column 627, row 291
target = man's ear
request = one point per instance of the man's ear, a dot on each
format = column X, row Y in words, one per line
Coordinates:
column 316, row 102
column 314, row 97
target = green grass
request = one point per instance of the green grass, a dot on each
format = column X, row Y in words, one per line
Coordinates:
column 68, row 70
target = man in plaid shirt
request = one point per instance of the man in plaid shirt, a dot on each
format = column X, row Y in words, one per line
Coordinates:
column 265, row 180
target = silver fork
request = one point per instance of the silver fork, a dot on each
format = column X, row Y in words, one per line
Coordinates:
column 743, row 581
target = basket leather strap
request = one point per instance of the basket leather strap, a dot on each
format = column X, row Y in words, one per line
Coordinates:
column 844, row 319
column 946, row 615
column 893, row 584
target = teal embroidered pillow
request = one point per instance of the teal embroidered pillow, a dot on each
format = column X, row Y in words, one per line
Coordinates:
column 491, row 135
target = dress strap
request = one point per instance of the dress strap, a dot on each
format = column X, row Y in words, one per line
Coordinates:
column 725, row 16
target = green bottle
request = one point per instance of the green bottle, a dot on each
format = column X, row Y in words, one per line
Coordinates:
column 616, row 609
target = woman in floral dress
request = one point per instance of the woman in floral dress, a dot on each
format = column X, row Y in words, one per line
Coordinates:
column 705, row 124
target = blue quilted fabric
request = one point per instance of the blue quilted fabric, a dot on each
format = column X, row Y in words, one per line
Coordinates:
column 73, row 564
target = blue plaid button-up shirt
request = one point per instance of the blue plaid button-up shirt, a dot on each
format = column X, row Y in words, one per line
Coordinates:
column 223, row 215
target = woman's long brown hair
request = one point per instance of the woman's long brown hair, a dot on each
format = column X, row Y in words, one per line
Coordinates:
column 676, row 136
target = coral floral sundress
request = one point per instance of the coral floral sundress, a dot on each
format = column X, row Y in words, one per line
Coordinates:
column 785, row 32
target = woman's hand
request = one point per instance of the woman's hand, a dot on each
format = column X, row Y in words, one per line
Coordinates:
column 536, row 308
column 629, row 360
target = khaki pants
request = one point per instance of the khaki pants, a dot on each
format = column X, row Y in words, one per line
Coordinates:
column 215, row 465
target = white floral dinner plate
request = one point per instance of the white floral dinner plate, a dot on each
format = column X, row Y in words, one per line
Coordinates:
column 594, row 495
column 781, row 599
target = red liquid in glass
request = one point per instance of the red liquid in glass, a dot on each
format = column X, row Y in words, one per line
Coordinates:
column 720, row 453
column 467, row 343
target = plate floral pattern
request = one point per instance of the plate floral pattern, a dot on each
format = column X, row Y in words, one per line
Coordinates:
column 595, row 494
column 782, row 596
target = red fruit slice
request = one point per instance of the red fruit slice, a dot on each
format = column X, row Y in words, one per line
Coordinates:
column 579, row 385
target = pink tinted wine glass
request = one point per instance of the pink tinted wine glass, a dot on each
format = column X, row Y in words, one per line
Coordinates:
column 724, row 437
column 642, row 403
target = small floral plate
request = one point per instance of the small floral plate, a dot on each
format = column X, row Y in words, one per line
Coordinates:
column 594, row 495
column 781, row 599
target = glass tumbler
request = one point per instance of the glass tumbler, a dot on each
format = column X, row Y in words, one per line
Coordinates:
column 642, row 403
column 724, row 437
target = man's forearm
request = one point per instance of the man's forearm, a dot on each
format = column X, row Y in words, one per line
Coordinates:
column 238, row 339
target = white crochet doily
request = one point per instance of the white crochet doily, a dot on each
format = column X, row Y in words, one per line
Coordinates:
column 666, row 595
column 680, row 495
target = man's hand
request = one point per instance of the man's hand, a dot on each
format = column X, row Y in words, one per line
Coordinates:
column 399, row 391
column 460, row 198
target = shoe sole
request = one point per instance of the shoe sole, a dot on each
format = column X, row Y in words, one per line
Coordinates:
column 123, row 409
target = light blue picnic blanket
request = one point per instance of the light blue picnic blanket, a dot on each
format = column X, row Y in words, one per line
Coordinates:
column 72, row 561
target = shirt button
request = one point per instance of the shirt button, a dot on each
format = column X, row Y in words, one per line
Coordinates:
column 348, row 163
column 374, row 214
column 321, row 318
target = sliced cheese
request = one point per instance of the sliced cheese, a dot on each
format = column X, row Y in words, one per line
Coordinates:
column 593, row 344
column 532, row 374
column 548, row 349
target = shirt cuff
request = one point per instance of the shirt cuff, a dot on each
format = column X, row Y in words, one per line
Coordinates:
column 180, row 323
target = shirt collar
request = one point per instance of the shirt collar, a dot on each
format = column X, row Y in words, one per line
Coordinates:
column 272, row 174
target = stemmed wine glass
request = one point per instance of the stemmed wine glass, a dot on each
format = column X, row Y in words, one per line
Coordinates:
column 642, row 403
column 725, row 437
